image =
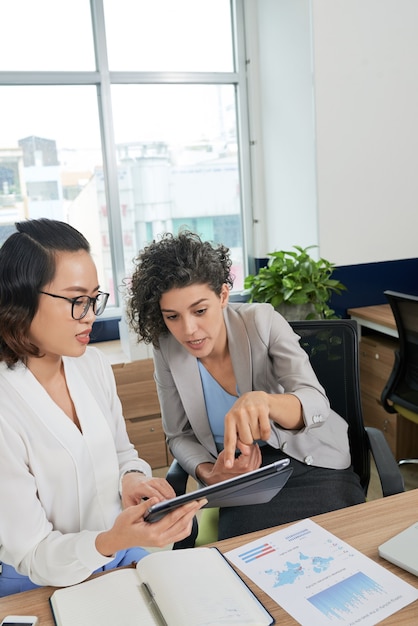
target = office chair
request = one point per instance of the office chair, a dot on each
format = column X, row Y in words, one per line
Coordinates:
column 332, row 346
column 400, row 394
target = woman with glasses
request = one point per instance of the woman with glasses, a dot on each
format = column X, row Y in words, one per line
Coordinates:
column 73, row 491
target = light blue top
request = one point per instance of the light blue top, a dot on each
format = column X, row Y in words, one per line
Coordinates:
column 218, row 403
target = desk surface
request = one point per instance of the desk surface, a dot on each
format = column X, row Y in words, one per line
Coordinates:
column 378, row 317
column 364, row 526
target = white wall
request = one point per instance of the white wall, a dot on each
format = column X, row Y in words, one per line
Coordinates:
column 361, row 185
column 286, row 130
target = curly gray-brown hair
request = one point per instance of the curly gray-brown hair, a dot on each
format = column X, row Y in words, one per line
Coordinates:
column 172, row 262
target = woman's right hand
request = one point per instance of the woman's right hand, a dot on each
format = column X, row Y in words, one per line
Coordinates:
column 249, row 460
column 130, row 529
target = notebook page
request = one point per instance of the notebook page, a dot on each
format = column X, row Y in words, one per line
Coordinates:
column 213, row 593
column 114, row 599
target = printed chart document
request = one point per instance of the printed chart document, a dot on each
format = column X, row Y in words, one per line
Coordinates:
column 319, row 579
column 191, row 587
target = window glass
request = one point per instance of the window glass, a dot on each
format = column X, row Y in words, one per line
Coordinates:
column 175, row 161
column 46, row 35
column 168, row 35
column 51, row 163
column 178, row 165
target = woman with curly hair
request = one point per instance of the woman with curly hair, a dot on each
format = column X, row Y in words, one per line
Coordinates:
column 236, row 389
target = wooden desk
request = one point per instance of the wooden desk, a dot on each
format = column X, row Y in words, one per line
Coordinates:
column 378, row 317
column 364, row 526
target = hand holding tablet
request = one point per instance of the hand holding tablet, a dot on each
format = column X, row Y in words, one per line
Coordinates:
column 255, row 487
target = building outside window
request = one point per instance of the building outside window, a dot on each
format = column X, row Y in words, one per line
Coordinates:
column 126, row 119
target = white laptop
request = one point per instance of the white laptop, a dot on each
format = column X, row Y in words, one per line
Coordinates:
column 402, row 549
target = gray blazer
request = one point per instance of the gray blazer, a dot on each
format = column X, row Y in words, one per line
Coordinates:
column 266, row 355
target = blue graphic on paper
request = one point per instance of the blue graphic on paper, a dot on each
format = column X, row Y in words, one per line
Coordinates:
column 294, row 570
column 346, row 596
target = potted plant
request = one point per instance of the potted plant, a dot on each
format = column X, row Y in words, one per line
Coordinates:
column 293, row 279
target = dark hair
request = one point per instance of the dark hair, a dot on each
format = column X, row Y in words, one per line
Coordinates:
column 172, row 262
column 27, row 263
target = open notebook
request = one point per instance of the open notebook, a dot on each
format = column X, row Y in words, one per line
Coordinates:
column 191, row 587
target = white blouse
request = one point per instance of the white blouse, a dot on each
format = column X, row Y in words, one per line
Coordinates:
column 59, row 487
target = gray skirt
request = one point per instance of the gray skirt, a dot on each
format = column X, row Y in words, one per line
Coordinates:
column 309, row 491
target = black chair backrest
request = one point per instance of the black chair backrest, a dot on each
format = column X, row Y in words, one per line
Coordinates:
column 332, row 346
column 402, row 386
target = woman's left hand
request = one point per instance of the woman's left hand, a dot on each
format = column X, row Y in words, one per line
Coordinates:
column 137, row 487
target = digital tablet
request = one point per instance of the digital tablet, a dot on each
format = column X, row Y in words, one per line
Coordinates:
column 255, row 487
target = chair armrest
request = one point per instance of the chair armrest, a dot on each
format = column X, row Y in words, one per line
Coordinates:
column 177, row 477
column 387, row 468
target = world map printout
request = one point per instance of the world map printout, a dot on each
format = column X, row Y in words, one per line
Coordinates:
column 319, row 579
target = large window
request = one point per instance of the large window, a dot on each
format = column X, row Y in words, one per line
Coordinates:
column 127, row 119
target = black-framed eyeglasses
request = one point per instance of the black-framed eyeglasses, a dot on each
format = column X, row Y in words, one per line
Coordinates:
column 81, row 304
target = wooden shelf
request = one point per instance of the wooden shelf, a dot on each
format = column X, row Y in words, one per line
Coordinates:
column 138, row 394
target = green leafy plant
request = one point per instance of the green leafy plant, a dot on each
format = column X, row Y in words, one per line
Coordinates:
column 294, row 277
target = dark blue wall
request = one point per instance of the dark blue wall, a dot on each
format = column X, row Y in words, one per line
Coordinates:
column 366, row 283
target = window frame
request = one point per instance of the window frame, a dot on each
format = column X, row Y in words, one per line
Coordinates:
column 102, row 78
